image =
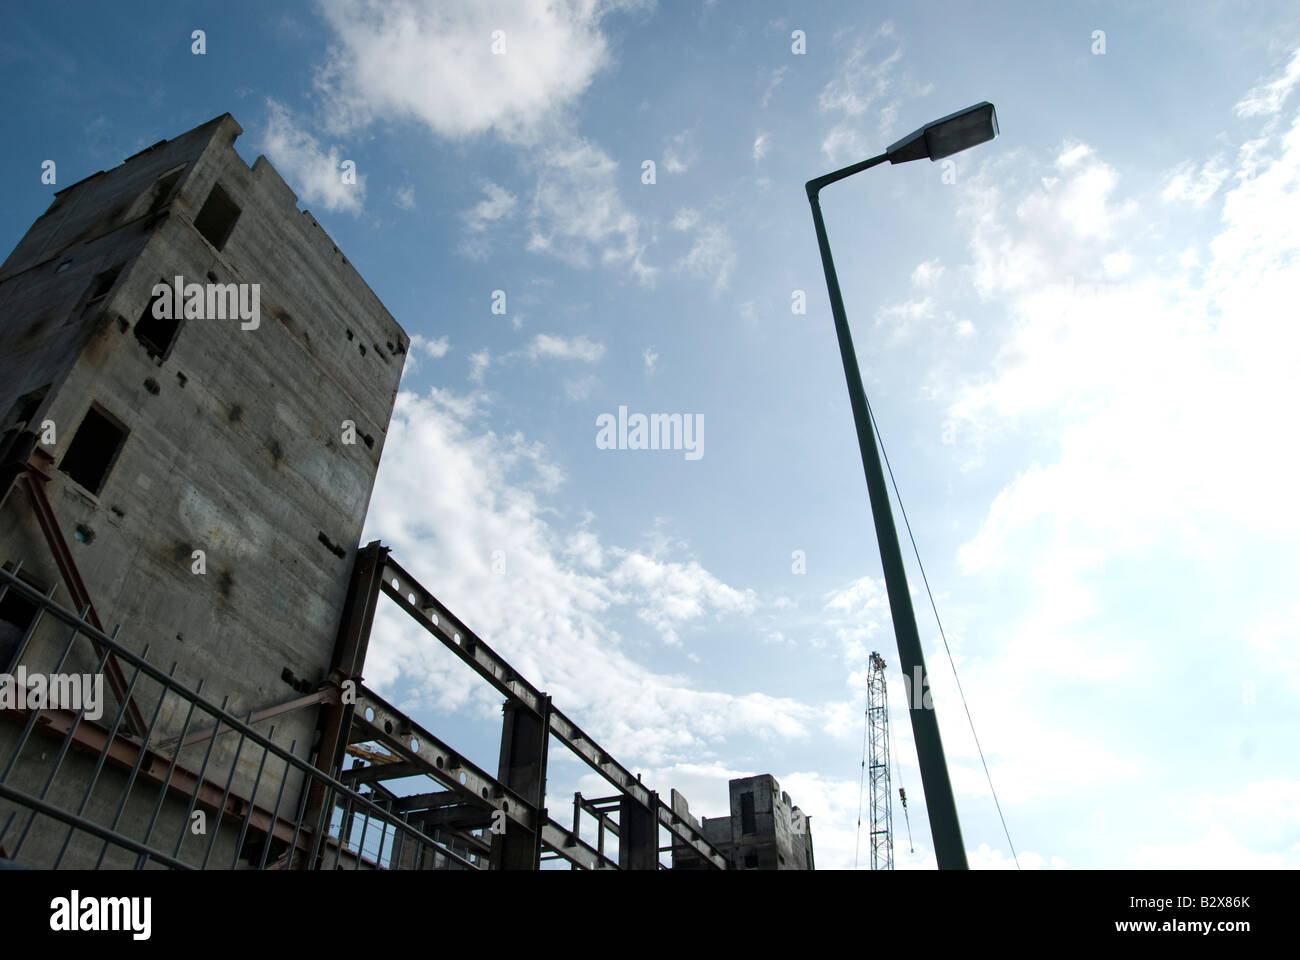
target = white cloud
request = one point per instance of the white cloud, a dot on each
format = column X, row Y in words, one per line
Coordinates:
column 711, row 256
column 434, row 348
column 478, row 364
column 673, row 593
column 405, row 197
column 1145, row 397
column 552, row 347
column 422, row 346
column 860, row 81
column 1186, row 183
column 927, row 273
column 866, row 79
column 1061, row 228
column 447, row 496
column 313, row 172
column 500, row 203
column 904, row 318
column 649, row 358
column 1267, row 97
column 679, row 152
column 433, row 62
column 778, row 75
column 761, row 147
column 577, row 213
column 844, row 143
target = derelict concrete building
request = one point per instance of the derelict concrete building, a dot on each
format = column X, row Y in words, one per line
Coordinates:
column 764, row 831
column 196, row 386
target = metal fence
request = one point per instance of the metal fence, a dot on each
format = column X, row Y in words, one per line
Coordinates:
column 202, row 788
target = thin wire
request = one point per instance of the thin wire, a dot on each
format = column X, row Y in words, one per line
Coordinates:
column 951, row 663
column 862, row 784
column 898, row 776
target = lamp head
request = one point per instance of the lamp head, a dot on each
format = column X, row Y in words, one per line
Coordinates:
column 947, row 135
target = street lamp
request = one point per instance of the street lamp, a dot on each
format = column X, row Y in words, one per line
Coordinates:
column 936, row 140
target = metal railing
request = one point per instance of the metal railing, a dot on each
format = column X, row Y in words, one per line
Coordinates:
column 77, row 792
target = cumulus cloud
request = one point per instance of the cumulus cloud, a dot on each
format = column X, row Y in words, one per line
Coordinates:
column 927, row 273
column 422, row 346
column 552, row 347
column 313, row 171
column 1125, row 353
column 498, row 203
column 711, row 256
column 434, row 63
column 449, row 494
column 578, row 214
column 1268, row 96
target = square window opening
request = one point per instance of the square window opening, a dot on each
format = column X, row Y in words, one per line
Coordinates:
column 16, row 616
column 94, row 449
column 157, row 334
column 217, row 217
column 103, row 283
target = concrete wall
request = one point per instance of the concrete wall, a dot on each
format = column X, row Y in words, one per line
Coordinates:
column 235, row 436
column 765, row 831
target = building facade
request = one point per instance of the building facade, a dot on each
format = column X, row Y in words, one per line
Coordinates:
column 206, row 383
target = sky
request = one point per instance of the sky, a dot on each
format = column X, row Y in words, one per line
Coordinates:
column 1079, row 342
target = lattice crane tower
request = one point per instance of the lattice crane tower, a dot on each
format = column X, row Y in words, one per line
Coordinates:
column 882, row 821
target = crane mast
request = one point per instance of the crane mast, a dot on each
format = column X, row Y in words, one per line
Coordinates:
column 882, row 821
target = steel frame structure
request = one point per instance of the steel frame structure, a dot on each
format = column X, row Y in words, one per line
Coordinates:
column 470, row 819
column 516, row 795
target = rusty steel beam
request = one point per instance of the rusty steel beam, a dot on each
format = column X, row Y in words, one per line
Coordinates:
column 33, row 479
column 335, row 722
column 327, row 695
column 374, row 773
column 91, row 737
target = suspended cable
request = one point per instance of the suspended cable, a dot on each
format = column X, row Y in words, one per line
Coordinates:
column 898, row 777
column 951, row 662
column 862, row 784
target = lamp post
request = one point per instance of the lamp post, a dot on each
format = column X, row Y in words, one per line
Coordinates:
column 936, row 140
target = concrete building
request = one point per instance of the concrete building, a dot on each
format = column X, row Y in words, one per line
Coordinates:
column 195, row 388
column 765, row 831
column 210, row 466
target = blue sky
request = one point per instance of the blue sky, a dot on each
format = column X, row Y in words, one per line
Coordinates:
column 1079, row 341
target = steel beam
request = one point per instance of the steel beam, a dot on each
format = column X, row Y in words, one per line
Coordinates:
column 429, row 612
column 378, row 720
column 522, row 768
column 565, row 844
column 638, row 835
column 335, row 721
column 34, row 479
